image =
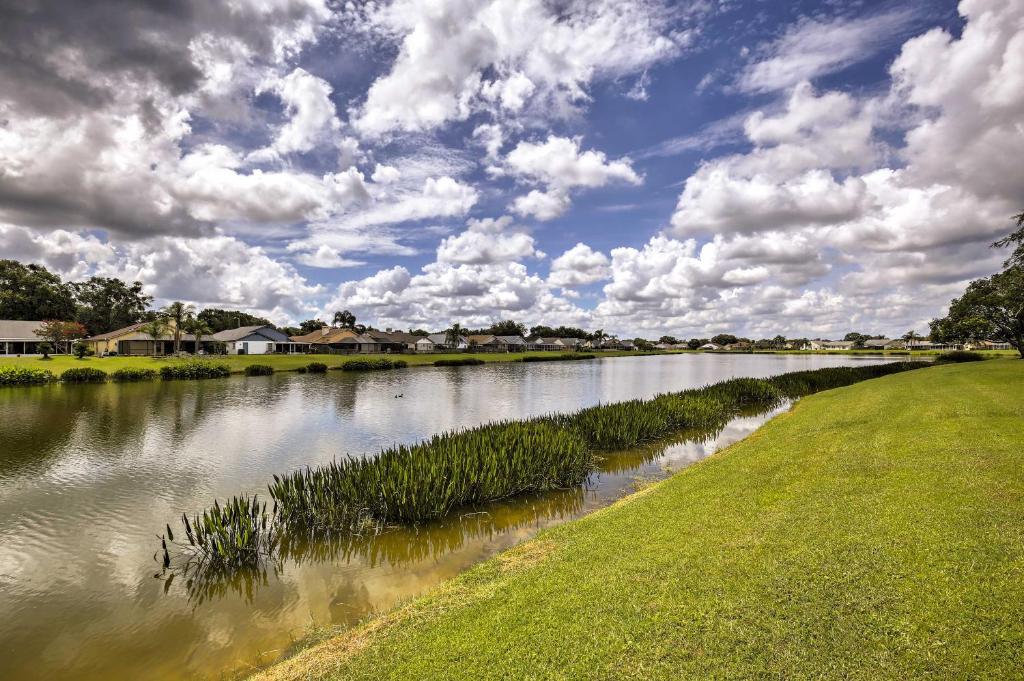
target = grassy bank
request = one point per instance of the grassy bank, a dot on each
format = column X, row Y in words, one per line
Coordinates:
column 876, row 531
column 237, row 363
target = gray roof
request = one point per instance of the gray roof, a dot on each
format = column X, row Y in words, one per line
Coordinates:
column 14, row 329
column 878, row 342
column 442, row 339
column 511, row 340
column 244, row 332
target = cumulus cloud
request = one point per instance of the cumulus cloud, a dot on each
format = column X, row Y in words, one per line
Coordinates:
column 458, row 57
column 578, row 266
column 488, row 240
column 310, row 112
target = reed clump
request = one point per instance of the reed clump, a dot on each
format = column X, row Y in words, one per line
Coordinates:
column 460, row 362
column 193, row 370
column 240, row 533
column 957, row 356
column 376, row 364
column 316, row 368
column 83, row 375
column 11, row 375
column 259, row 370
column 131, row 374
column 564, row 357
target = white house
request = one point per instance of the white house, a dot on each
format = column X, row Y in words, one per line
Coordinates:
column 256, row 340
column 19, row 337
column 710, row 346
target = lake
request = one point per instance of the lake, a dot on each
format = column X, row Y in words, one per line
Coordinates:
column 90, row 474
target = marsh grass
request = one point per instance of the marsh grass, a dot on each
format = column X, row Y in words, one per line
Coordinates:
column 422, row 482
column 15, row 375
column 239, row 534
column 131, row 374
column 83, row 375
column 376, row 364
column 461, row 362
column 259, row 370
column 193, row 369
column 564, row 357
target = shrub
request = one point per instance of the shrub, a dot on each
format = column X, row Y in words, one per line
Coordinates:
column 83, row 375
column 558, row 358
column 81, row 350
column 259, row 370
column 461, row 362
column 130, row 374
column 957, row 356
column 316, row 368
column 10, row 375
column 194, row 369
column 378, row 364
column 45, row 349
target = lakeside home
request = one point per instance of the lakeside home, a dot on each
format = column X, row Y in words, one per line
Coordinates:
column 132, row 341
column 19, row 337
column 489, row 343
column 257, row 340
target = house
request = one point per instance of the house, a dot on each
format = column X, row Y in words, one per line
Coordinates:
column 394, row 341
column 131, row 340
column 571, row 343
column 19, row 337
column 983, row 345
column 332, row 340
column 257, row 340
column 442, row 342
column 424, row 344
column 710, row 346
column 539, row 343
column 831, row 345
column 738, row 346
column 884, row 344
column 489, row 343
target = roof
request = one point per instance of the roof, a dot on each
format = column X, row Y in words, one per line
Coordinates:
column 132, row 333
column 392, row 336
column 329, row 335
column 442, row 338
column 482, row 338
column 570, row 341
column 879, row 342
column 511, row 340
column 15, row 329
column 116, row 333
column 241, row 332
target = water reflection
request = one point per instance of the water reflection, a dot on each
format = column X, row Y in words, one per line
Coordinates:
column 88, row 472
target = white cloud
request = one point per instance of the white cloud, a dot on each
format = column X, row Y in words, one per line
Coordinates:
column 311, row 115
column 489, row 240
column 542, row 205
column 461, row 56
column 814, row 48
column 578, row 266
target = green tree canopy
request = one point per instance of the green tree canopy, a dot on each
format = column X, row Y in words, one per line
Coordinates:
column 991, row 308
column 310, row 325
column 724, row 339
column 105, row 304
column 669, row 340
column 345, row 319
column 31, row 292
column 222, row 320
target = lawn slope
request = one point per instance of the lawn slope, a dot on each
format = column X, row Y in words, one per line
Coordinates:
column 876, row 531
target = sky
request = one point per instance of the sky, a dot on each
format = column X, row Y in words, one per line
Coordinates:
column 644, row 167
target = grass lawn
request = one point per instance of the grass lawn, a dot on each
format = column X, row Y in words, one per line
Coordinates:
column 58, row 363
column 875, row 531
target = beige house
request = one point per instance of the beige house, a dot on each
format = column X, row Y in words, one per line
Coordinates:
column 132, row 341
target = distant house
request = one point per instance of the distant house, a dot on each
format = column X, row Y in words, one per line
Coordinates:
column 737, row 346
column 257, row 340
column 884, row 344
column 489, row 343
column 19, row 337
column 540, row 343
column 571, row 343
column 710, row 346
column 394, row 341
column 988, row 345
column 441, row 342
column 131, row 340
column 332, row 340
column 831, row 345
column 424, row 344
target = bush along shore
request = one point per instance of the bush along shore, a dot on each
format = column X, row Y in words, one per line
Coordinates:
column 421, row 482
column 564, row 357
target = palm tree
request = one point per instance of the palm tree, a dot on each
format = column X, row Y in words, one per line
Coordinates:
column 198, row 328
column 452, row 335
column 599, row 337
column 156, row 328
column 179, row 314
column 910, row 337
column 345, row 319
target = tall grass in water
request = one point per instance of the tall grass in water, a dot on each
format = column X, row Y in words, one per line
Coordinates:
column 130, row 374
column 239, row 534
column 194, row 369
column 259, row 370
column 377, row 364
column 564, row 357
column 11, row 375
column 406, row 484
column 83, row 375
column 409, row 484
column 459, row 362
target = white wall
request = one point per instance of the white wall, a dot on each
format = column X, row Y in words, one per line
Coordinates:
column 254, row 347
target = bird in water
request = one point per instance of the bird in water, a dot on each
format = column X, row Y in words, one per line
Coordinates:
column 402, row 395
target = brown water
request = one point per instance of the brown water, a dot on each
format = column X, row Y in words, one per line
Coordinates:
column 90, row 474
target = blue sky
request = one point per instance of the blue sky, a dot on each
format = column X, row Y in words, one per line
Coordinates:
column 684, row 168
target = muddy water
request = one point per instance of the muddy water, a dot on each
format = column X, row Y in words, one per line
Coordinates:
column 89, row 474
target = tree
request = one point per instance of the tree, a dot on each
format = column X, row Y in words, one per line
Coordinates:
column 31, row 292
column 57, row 332
column 910, row 337
column 105, row 304
column 45, row 349
column 669, row 340
column 310, row 325
column 198, row 328
column 724, row 339
column 643, row 344
column 990, row 308
column 452, row 335
column 507, row 327
column 344, row 319
column 222, row 320
column 156, row 328
column 80, row 350
column 178, row 314
column 779, row 342
column 423, row 333
column 695, row 343
column 1015, row 240
column 598, row 337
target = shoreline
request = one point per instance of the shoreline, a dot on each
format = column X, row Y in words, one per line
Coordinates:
column 545, row 570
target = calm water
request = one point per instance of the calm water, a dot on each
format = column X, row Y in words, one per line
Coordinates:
column 90, row 474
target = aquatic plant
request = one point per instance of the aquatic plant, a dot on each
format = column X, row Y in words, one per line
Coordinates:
column 129, row 374
column 259, row 370
column 957, row 356
column 376, row 364
column 193, row 369
column 460, row 362
column 316, row 368
column 12, row 375
column 238, row 534
column 558, row 358
column 83, row 375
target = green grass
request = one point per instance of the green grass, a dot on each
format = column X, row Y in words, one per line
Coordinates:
column 237, row 363
column 874, row 532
